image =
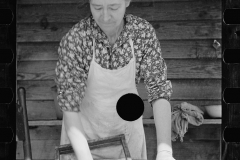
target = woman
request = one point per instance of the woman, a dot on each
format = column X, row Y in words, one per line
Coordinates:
column 103, row 51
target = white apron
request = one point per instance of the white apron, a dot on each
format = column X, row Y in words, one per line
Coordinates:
column 98, row 114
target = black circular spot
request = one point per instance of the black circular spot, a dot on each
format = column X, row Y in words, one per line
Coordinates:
column 130, row 107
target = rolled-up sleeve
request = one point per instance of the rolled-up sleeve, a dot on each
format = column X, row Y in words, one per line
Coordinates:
column 153, row 68
column 70, row 74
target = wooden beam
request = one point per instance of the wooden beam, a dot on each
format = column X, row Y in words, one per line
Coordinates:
column 40, row 149
column 77, row 1
column 45, row 110
column 205, row 131
column 145, row 121
column 206, row 121
column 181, row 30
column 177, row 69
column 41, row 110
column 200, row 140
column 186, row 150
column 149, row 10
column 184, row 90
column 178, row 49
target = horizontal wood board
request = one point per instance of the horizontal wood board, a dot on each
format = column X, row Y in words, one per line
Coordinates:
column 205, row 147
column 173, row 49
column 147, row 121
column 151, row 11
column 186, row 30
column 45, row 138
column 202, row 132
column 45, row 110
column 183, row 89
column 177, row 69
column 188, row 150
column 34, row 32
column 77, row 1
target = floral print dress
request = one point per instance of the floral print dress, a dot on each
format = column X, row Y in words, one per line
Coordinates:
column 75, row 55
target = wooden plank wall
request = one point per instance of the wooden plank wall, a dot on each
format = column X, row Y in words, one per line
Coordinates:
column 186, row 30
column 200, row 143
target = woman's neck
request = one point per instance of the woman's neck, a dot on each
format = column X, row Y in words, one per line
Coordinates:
column 112, row 37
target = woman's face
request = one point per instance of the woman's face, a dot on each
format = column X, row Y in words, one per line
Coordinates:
column 108, row 14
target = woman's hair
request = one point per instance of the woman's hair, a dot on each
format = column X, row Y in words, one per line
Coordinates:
column 85, row 3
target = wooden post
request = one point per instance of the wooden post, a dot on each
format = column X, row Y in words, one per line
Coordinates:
column 26, row 143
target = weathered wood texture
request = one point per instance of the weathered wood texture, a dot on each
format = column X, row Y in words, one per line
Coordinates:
column 197, row 92
column 151, row 11
column 41, row 110
column 202, row 132
column 177, row 69
column 186, row 30
column 184, row 89
column 199, row 142
column 178, row 49
column 44, row 110
column 145, row 121
column 188, row 150
column 172, row 30
column 77, row 1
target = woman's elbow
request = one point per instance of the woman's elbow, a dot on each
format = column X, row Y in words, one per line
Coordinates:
column 162, row 102
column 72, row 123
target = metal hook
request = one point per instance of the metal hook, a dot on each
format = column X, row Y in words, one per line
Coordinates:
column 216, row 44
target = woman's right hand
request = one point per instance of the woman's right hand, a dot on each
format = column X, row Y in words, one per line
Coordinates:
column 78, row 141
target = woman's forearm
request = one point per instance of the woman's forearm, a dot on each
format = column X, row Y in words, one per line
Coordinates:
column 76, row 137
column 162, row 118
column 79, row 144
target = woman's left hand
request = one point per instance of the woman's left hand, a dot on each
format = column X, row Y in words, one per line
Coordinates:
column 164, row 155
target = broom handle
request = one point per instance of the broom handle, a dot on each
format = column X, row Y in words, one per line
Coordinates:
column 26, row 142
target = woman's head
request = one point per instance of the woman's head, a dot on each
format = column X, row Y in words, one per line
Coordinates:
column 108, row 14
